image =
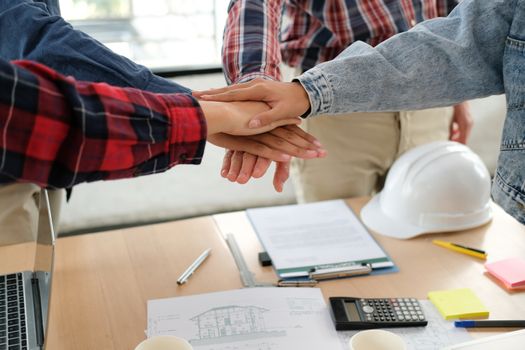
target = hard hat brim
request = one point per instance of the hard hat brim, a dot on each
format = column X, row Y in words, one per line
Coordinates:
column 374, row 218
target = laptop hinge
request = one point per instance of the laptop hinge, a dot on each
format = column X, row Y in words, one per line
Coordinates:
column 38, row 312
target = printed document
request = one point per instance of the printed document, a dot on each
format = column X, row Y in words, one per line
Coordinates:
column 251, row 318
column 302, row 237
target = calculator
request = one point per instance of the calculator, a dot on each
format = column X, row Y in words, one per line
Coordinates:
column 358, row 313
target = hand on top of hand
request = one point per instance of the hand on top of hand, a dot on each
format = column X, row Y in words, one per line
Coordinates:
column 286, row 101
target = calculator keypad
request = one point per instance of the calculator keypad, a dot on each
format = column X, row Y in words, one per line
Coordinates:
column 392, row 310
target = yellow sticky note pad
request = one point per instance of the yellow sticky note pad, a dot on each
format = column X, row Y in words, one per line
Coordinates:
column 458, row 303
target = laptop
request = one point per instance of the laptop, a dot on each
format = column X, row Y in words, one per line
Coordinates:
column 25, row 295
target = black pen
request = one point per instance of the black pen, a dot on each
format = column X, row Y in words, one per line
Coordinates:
column 491, row 323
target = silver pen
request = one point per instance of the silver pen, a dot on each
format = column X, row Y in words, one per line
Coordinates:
column 338, row 272
column 194, row 265
column 299, row 283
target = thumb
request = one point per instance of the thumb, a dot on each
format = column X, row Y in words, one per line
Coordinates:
column 273, row 116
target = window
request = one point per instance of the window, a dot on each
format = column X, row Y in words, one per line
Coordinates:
column 164, row 35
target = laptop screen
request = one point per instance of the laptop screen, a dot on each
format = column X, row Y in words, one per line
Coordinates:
column 44, row 257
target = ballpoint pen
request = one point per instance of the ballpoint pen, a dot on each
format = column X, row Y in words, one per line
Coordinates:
column 296, row 283
column 338, row 272
column 490, row 323
column 477, row 253
column 194, row 265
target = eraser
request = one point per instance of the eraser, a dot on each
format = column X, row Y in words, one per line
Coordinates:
column 264, row 259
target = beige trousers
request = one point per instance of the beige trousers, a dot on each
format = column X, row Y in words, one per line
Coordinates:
column 19, row 211
column 361, row 148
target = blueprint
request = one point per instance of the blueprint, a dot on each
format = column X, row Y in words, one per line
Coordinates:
column 247, row 319
column 276, row 319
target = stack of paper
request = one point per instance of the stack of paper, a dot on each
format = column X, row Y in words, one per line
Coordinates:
column 511, row 272
column 458, row 303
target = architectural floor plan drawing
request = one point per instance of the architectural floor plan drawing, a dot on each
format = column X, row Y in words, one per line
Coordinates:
column 232, row 323
column 247, row 319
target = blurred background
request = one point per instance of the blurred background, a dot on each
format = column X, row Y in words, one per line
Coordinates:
column 181, row 40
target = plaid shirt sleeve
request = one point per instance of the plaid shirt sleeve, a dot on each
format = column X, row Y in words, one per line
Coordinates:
column 58, row 132
column 251, row 40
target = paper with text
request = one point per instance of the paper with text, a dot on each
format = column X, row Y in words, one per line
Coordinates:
column 304, row 236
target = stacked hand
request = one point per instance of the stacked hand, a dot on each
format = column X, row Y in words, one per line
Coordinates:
column 252, row 146
column 287, row 101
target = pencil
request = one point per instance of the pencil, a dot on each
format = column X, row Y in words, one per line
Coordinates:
column 477, row 253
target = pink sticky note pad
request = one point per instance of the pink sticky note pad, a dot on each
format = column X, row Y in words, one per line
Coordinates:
column 509, row 271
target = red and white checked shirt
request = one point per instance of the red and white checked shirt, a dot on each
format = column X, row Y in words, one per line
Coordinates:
column 303, row 33
column 56, row 131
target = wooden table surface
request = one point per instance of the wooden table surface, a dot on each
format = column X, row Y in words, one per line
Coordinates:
column 102, row 281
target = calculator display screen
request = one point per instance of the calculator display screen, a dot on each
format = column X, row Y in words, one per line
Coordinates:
column 351, row 311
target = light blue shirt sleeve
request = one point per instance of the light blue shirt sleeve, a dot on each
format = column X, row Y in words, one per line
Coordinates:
column 439, row 62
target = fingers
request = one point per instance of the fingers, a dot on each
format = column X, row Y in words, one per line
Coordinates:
column 237, row 93
column 282, row 172
column 200, row 93
column 300, row 132
column 297, row 136
column 248, row 163
column 289, row 142
column 235, row 167
column 464, row 129
column 241, row 166
column 226, row 163
column 247, row 144
column 261, row 166
column 462, row 122
column 285, row 146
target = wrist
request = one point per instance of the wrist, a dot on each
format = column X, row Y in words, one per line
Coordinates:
column 214, row 113
column 303, row 101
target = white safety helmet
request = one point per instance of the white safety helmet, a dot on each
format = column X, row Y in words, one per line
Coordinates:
column 436, row 187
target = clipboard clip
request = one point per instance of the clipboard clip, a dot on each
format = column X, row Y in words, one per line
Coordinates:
column 338, row 272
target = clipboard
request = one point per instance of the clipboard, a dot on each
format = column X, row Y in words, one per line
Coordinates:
column 302, row 239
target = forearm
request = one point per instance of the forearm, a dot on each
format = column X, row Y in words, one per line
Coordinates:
column 59, row 132
column 36, row 34
column 439, row 62
column 251, row 40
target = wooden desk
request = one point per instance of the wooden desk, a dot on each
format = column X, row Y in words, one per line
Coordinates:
column 102, row 281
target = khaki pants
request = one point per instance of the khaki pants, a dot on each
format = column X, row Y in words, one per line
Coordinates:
column 361, row 148
column 19, row 211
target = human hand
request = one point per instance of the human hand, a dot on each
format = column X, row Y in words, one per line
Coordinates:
column 461, row 124
column 233, row 117
column 241, row 166
column 286, row 100
column 278, row 145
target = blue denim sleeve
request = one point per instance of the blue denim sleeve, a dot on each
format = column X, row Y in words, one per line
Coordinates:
column 33, row 31
column 439, row 62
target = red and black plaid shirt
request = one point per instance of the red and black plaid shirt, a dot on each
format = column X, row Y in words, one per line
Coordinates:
column 58, row 132
column 303, row 33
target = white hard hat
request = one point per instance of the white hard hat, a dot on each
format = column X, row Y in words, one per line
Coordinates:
column 436, row 187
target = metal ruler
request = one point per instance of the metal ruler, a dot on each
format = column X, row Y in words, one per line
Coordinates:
column 247, row 277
